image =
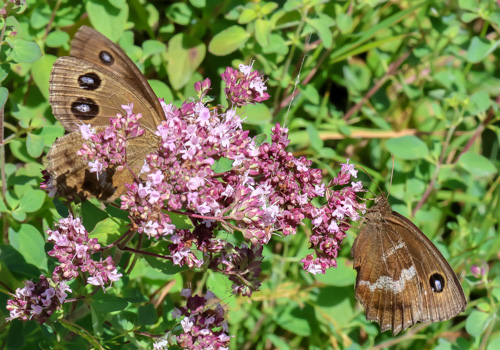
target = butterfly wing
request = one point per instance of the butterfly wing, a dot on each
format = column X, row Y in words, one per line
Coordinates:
column 402, row 277
column 82, row 92
column 443, row 296
column 386, row 282
column 91, row 46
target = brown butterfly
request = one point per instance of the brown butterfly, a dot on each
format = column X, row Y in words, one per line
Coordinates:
column 402, row 278
column 90, row 87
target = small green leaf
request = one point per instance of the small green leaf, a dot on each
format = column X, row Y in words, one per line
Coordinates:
column 164, row 266
column 41, row 73
column 4, row 94
column 479, row 49
column 25, row 51
column 344, row 22
column 247, row 16
column 107, row 18
column 34, row 144
column 107, row 303
column 30, row 243
column 344, row 275
column 57, row 38
column 4, row 71
column 263, row 32
column 476, row 323
column 408, row 147
column 290, row 320
column 310, row 93
column 477, row 164
column 268, row 7
column 479, row 102
column 314, row 139
column 147, row 315
column 185, row 53
column 198, row 3
column 153, row 47
column 257, row 114
column 222, row 165
column 228, row 41
column 179, row 13
column 91, row 215
column 109, row 230
column 32, row 200
column 162, row 90
column 323, row 30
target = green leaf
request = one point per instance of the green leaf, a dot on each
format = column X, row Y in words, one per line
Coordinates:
column 290, row 320
column 91, row 215
column 344, row 275
column 15, row 337
column 257, row 114
column 263, row 31
column 153, row 47
column 310, row 93
column 479, row 102
column 15, row 262
column 25, row 51
column 316, row 142
column 198, row 3
column 228, row 41
column 494, row 344
column 179, row 13
column 278, row 343
column 181, row 222
column 107, row 18
column 185, row 53
column 162, row 90
column 267, row 8
column 322, row 27
column 57, row 39
column 477, row 165
column 34, row 144
column 32, row 200
column 476, row 323
column 107, row 303
column 408, row 147
column 247, row 16
column 30, row 243
column 109, row 230
column 4, row 71
column 344, row 22
column 147, row 315
column 4, row 94
column 222, row 165
column 164, row 266
column 277, row 45
column 41, row 73
column 479, row 49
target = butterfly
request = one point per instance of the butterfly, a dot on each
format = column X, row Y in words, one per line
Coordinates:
column 89, row 87
column 402, row 278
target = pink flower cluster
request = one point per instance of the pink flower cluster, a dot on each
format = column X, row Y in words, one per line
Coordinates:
column 203, row 326
column 108, row 147
column 73, row 248
column 209, row 169
column 37, row 301
column 331, row 221
column 244, row 86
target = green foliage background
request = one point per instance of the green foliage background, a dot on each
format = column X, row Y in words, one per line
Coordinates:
column 418, row 79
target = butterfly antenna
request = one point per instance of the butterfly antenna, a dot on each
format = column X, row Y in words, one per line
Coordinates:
column 392, row 175
column 371, row 178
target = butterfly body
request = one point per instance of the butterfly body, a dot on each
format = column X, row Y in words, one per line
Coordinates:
column 90, row 87
column 402, row 278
